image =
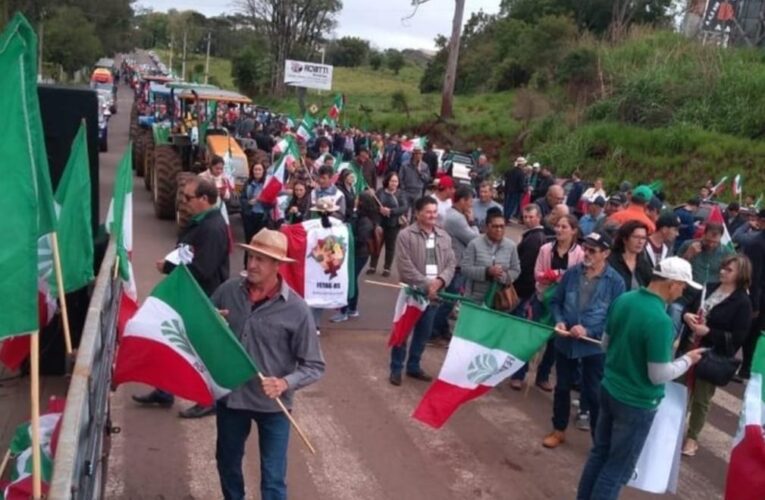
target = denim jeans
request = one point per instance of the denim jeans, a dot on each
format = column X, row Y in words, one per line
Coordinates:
column 675, row 312
column 512, row 204
column 353, row 302
column 441, row 320
column 548, row 358
column 566, row 370
column 420, row 336
column 273, row 437
column 619, row 438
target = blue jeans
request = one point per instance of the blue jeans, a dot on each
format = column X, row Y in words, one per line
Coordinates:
column 548, row 358
column 566, row 370
column 619, row 438
column 512, row 204
column 353, row 302
column 441, row 321
column 273, row 438
column 420, row 336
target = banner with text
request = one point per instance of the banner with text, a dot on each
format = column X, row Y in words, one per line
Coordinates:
column 307, row 74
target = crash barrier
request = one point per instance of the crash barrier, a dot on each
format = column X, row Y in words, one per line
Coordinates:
column 80, row 464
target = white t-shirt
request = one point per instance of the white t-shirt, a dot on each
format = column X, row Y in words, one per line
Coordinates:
column 443, row 207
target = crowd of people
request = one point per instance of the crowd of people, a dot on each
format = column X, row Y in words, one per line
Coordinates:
column 636, row 291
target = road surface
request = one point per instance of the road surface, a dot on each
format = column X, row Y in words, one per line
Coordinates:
column 368, row 446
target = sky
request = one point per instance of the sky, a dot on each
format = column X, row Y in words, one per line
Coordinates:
column 379, row 21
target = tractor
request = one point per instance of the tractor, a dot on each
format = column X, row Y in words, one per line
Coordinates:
column 141, row 116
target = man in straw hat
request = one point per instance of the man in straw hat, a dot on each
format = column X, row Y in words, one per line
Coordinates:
column 276, row 328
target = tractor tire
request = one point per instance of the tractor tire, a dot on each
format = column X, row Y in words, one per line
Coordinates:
column 182, row 214
column 133, row 122
column 147, row 141
column 137, row 149
column 167, row 166
column 148, row 160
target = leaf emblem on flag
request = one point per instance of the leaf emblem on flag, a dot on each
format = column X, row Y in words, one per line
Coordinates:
column 176, row 335
column 481, row 368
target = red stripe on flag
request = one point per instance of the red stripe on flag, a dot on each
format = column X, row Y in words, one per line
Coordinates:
column 401, row 329
column 128, row 308
column 152, row 363
column 271, row 190
column 14, row 350
column 294, row 274
column 441, row 401
column 746, row 471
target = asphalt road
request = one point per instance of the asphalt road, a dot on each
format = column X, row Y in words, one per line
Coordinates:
column 368, row 446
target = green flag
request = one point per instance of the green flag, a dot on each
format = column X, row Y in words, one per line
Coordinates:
column 361, row 184
column 75, row 236
column 119, row 219
column 27, row 203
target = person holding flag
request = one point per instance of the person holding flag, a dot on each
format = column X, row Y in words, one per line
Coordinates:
column 203, row 247
column 276, row 328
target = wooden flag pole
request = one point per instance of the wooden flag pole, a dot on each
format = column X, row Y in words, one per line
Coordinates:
column 292, row 421
column 34, row 376
column 4, row 463
column 382, row 283
column 116, row 266
column 61, row 292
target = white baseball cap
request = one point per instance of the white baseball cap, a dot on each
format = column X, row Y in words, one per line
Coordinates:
column 536, row 165
column 677, row 269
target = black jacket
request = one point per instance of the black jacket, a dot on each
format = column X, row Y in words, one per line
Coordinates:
column 363, row 233
column 515, row 180
column 643, row 269
column 350, row 200
column 732, row 316
column 543, row 184
column 528, row 249
column 208, row 238
column 755, row 250
column 397, row 204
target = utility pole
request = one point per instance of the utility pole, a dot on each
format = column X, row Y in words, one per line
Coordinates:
column 40, row 39
column 183, row 62
column 172, row 49
column 447, row 96
column 207, row 60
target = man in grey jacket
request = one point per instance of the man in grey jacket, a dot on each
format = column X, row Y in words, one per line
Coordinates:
column 460, row 225
column 276, row 328
column 425, row 261
column 414, row 176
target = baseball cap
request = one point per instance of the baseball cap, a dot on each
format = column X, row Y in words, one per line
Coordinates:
column 445, row 182
column 677, row 269
column 536, row 165
column 642, row 193
column 625, row 186
column 599, row 201
column 617, row 199
column 521, row 161
column 655, row 204
column 598, row 239
column 667, row 219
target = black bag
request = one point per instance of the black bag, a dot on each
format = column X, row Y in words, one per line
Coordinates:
column 717, row 369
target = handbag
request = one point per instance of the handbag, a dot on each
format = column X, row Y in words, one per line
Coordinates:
column 717, row 369
column 505, row 299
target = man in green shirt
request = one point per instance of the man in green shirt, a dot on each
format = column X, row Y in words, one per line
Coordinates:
column 638, row 342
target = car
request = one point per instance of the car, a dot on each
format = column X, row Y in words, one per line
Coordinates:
column 103, row 123
column 458, row 165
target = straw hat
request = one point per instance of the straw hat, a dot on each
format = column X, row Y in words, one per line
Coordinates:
column 325, row 204
column 269, row 243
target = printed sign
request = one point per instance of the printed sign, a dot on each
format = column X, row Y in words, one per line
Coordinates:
column 307, row 74
column 326, row 264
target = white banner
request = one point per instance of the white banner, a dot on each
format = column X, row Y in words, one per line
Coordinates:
column 658, row 467
column 326, row 264
column 307, row 74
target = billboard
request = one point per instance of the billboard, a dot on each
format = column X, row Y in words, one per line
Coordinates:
column 307, row 74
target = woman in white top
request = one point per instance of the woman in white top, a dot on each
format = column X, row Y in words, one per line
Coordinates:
column 592, row 193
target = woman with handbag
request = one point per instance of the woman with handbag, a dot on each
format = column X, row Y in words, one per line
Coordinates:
column 721, row 325
column 492, row 259
column 393, row 209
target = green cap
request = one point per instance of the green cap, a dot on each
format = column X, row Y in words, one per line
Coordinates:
column 642, row 193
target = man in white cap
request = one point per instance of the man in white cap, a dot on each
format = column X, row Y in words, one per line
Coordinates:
column 275, row 327
column 638, row 341
column 515, row 186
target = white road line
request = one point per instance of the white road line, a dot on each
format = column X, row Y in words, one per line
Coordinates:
column 115, row 480
column 727, row 401
column 338, row 470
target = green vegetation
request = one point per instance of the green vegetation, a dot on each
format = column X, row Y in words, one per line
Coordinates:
column 220, row 69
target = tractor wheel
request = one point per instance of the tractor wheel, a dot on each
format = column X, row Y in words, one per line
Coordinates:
column 137, row 149
column 133, row 122
column 182, row 214
column 167, row 165
column 147, row 160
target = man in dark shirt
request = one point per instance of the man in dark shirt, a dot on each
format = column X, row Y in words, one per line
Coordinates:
column 686, row 214
column 755, row 250
column 515, row 186
column 431, row 159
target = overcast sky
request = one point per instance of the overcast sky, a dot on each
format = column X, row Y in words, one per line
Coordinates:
column 378, row 21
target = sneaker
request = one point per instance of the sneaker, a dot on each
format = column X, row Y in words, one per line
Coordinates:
column 385, row 273
column 554, row 439
column 395, row 379
column 690, row 447
column 516, row 385
column 371, row 271
column 197, row 411
column 339, row 318
column 583, row 422
column 353, row 314
column 155, row 397
column 545, row 386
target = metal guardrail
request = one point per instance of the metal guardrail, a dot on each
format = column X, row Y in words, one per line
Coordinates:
column 80, row 464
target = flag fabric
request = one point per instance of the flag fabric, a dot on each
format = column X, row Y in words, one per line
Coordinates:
column 15, row 350
column 410, row 305
column 737, row 185
column 746, row 469
column 758, row 203
column 715, row 215
column 276, row 176
column 337, row 107
column 179, row 343
column 360, row 183
column 410, row 144
column 323, row 271
column 718, row 188
column 478, row 359
column 75, row 236
column 305, row 129
column 29, row 195
column 119, row 224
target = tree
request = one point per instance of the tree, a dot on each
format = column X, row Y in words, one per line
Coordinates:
column 348, row 51
column 450, row 76
column 375, row 60
column 70, row 39
column 291, row 28
column 395, row 60
column 249, row 68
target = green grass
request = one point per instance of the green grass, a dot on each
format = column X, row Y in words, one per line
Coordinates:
column 220, row 69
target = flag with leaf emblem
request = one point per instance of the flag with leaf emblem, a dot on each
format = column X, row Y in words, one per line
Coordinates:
column 410, row 305
column 486, row 348
column 179, row 343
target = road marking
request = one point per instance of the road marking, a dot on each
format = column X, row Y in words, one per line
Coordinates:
column 727, row 401
column 115, row 479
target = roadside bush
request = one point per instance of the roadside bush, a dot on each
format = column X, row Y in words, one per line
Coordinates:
column 399, row 102
column 578, row 67
column 509, row 74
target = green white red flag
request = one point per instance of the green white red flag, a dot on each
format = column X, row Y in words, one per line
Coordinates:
column 715, row 215
column 29, row 196
column 410, row 305
column 337, row 107
column 486, row 348
column 738, row 187
column 276, row 176
column 179, row 343
column 415, row 142
column 305, row 129
column 746, row 470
